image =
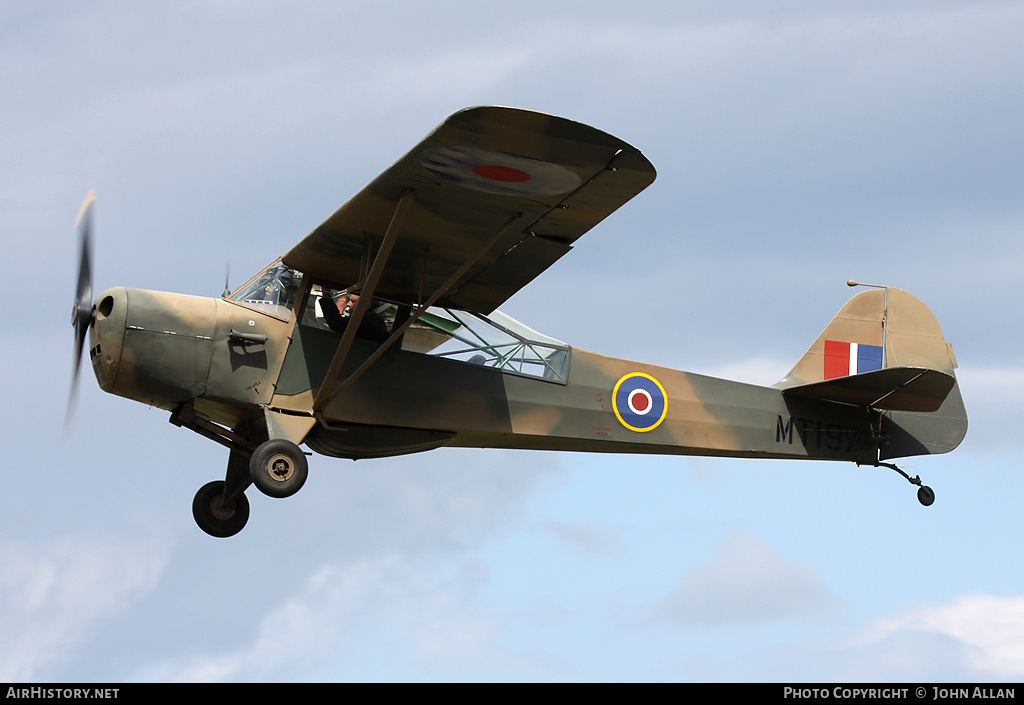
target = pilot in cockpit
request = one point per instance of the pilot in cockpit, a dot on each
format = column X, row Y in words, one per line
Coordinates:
column 336, row 313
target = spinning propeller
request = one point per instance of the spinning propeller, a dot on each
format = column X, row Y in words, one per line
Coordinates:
column 82, row 314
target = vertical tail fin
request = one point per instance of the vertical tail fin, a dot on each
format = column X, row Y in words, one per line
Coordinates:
column 885, row 350
column 876, row 329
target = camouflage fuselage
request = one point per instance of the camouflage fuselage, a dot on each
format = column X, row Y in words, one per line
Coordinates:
column 165, row 349
column 238, row 365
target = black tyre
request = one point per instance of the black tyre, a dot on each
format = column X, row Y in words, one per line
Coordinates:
column 216, row 516
column 925, row 495
column 278, row 468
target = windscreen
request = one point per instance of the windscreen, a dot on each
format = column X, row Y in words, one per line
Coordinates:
column 272, row 290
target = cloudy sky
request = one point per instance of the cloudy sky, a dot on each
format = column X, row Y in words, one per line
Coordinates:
column 797, row 147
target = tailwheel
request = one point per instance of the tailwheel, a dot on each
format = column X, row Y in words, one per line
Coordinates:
column 278, row 468
column 925, row 495
column 216, row 514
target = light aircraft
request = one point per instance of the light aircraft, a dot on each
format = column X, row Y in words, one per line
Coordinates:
column 414, row 355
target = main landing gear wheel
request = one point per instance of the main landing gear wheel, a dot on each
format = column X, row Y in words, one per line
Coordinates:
column 278, row 468
column 217, row 516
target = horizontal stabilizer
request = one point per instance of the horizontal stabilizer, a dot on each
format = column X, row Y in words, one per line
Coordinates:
column 890, row 389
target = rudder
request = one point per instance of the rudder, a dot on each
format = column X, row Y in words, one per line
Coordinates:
column 885, row 350
column 876, row 329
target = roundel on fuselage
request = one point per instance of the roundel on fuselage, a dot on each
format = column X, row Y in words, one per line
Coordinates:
column 640, row 402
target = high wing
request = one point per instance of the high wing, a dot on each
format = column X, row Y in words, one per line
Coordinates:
column 485, row 203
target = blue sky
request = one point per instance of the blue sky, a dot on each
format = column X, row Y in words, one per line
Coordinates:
column 797, row 146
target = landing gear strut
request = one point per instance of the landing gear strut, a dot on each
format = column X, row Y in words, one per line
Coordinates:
column 925, row 494
column 277, row 467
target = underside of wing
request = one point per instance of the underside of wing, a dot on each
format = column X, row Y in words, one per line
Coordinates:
column 495, row 196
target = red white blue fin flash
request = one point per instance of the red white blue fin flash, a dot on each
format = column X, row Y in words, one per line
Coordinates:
column 844, row 359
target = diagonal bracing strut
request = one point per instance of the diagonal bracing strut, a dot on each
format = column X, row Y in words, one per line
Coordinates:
column 397, row 333
column 323, row 396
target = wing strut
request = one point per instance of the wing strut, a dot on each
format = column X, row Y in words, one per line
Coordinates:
column 397, row 333
column 365, row 298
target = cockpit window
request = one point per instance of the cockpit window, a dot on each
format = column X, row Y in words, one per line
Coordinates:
column 495, row 340
column 272, row 290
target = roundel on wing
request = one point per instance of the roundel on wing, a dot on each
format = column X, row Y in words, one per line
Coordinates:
column 640, row 402
column 498, row 172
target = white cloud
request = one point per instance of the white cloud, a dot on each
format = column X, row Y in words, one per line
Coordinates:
column 994, row 384
column 993, row 396
column 991, row 628
column 53, row 594
column 591, row 540
column 416, row 611
column 747, row 582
